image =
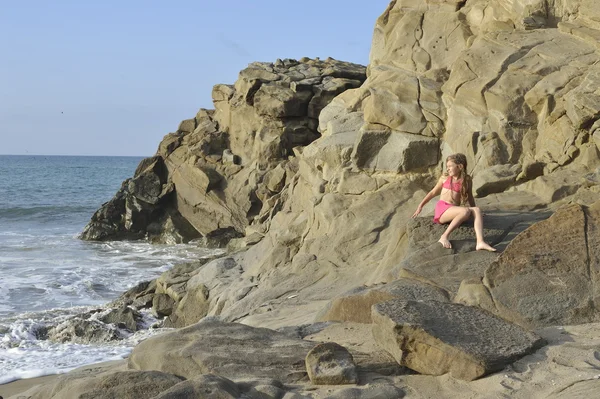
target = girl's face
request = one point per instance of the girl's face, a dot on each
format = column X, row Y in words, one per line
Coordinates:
column 453, row 168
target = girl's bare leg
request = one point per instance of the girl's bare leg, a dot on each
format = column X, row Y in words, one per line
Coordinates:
column 478, row 225
column 455, row 215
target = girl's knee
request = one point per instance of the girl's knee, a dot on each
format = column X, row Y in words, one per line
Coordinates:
column 466, row 213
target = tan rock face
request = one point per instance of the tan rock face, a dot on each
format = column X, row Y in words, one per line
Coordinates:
column 511, row 83
column 322, row 169
column 483, row 79
column 260, row 114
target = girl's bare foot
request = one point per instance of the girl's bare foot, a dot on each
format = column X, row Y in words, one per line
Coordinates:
column 485, row 246
column 445, row 243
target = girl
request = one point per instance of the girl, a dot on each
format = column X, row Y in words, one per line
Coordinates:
column 455, row 189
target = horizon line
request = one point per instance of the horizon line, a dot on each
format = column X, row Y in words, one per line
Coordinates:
column 74, row 155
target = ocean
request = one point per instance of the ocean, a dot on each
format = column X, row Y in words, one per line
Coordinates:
column 47, row 274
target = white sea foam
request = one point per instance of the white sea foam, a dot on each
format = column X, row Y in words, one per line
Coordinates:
column 67, row 272
column 65, row 278
column 23, row 355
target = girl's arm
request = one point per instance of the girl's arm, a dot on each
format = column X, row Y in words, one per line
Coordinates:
column 470, row 197
column 433, row 193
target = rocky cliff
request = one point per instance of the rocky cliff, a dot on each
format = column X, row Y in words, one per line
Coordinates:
column 311, row 169
column 225, row 168
column 318, row 166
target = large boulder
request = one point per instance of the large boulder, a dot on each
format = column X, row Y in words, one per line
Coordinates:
column 230, row 350
column 201, row 294
column 549, row 274
column 438, row 338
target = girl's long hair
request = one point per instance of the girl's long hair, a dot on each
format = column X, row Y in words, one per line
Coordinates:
column 461, row 159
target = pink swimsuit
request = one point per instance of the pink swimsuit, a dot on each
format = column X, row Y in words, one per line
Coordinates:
column 442, row 206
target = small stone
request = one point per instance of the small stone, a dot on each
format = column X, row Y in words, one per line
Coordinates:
column 162, row 305
column 123, row 316
column 187, row 126
column 229, row 157
column 331, row 364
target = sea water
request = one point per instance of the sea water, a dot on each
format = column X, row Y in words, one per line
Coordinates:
column 47, row 274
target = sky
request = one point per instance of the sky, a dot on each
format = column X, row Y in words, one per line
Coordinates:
column 112, row 77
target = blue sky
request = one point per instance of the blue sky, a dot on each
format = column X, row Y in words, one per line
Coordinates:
column 107, row 77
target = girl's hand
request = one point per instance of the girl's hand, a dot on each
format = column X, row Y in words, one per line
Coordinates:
column 419, row 209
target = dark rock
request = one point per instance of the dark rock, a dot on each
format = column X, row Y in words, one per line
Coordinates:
column 139, row 296
column 140, row 209
column 427, row 261
column 123, row 317
column 147, row 183
column 143, row 302
column 162, row 305
column 219, row 238
column 83, row 331
column 304, row 330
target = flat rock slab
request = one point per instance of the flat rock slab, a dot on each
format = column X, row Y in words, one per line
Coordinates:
column 447, row 271
column 438, row 338
column 120, row 384
column 426, row 260
column 203, row 386
column 369, row 391
column 231, row 350
column 422, row 233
